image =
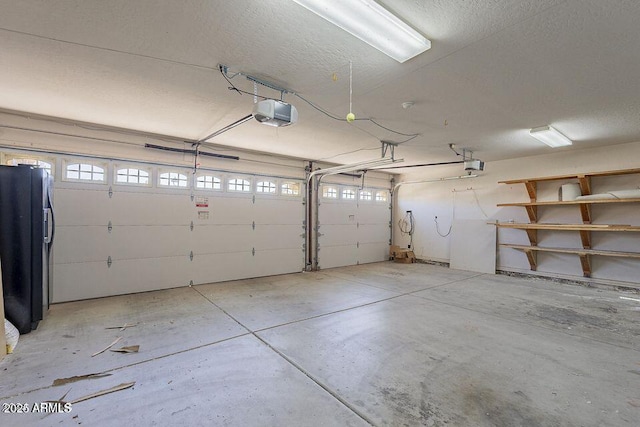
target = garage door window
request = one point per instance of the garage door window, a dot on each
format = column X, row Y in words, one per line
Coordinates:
column 239, row 184
column 381, row 196
column 348, row 194
column 209, row 182
column 290, row 189
column 266, row 187
column 173, row 179
column 132, row 176
column 366, row 195
column 329, row 192
column 15, row 161
column 84, row 172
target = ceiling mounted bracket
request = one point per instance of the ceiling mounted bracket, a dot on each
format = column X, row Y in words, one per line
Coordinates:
column 388, row 146
column 256, row 81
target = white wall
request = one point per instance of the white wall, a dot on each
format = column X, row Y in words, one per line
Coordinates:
column 476, row 198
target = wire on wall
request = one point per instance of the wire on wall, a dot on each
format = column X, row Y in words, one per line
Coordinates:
column 407, row 226
column 438, row 228
column 453, row 216
column 475, row 195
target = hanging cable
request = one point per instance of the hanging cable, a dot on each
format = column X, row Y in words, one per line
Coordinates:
column 453, row 216
column 478, row 203
column 223, row 70
column 438, row 229
column 406, row 226
column 350, row 85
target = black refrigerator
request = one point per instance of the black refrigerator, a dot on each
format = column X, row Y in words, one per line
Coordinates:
column 26, row 236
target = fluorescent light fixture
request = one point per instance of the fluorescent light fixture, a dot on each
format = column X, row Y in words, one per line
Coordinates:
column 550, row 136
column 373, row 24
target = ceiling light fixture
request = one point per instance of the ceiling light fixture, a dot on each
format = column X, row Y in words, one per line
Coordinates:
column 373, row 24
column 550, row 136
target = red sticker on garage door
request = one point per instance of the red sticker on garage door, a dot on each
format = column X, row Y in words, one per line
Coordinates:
column 202, row 202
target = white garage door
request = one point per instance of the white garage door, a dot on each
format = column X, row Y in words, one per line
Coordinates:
column 354, row 225
column 138, row 228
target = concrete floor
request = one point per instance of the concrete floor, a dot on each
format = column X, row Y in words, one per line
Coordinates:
column 381, row 344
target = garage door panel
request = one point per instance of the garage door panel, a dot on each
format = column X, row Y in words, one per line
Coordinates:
column 222, row 238
column 150, row 241
column 338, row 213
column 373, row 252
column 81, row 244
column 337, row 256
column 81, row 207
column 141, row 275
column 279, row 211
column 279, row 261
column 338, row 234
column 151, row 208
column 211, row 268
column 81, row 280
column 278, row 237
column 230, row 210
column 373, row 233
column 374, row 213
column 85, row 280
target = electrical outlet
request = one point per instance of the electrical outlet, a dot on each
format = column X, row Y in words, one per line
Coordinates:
column 409, row 212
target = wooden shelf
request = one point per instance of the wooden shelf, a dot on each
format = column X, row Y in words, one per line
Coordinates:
column 584, row 255
column 571, row 202
column 585, row 229
column 585, row 206
column 572, row 176
column 570, row 227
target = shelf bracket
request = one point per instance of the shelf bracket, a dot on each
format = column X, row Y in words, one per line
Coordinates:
column 532, row 190
column 585, row 184
column 585, row 236
column 586, row 264
column 585, row 212
column 532, row 256
column 533, row 237
column 532, row 211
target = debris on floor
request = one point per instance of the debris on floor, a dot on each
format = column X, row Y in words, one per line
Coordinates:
column 127, row 349
column 62, row 381
column 119, row 387
column 123, row 327
column 107, row 347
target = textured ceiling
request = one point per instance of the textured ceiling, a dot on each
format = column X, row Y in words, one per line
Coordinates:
column 496, row 69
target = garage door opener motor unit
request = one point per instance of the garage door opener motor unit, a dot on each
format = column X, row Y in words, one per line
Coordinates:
column 275, row 113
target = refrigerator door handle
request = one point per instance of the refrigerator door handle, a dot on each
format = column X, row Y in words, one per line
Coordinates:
column 47, row 233
column 53, row 216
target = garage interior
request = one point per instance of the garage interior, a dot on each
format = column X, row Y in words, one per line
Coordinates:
column 259, row 218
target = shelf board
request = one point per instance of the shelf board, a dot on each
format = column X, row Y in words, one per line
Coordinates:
column 572, row 176
column 576, row 251
column 583, row 254
column 570, row 227
column 570, row 202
